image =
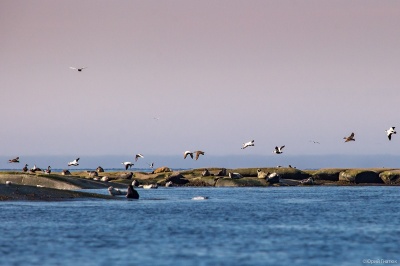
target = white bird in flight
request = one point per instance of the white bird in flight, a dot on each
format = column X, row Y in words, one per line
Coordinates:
column 78, row 68
column 137, row 156
column 389, row 132
column 127, row 165
column 278, row 150
column 248, row 144
column 74, row 162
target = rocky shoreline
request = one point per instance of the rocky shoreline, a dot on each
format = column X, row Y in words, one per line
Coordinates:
column 57, row 186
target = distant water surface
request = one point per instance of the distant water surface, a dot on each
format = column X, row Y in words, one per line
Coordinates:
column 235, row 226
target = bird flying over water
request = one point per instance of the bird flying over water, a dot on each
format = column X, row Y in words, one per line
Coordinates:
column 186, row 153
column 15, row 160
column 127, row 165
column 278, row 150
column 151, row 165
column 248, row 144
column 137, row 156
column 349, row 138
column 389, row 132
column 74, row 162
column 78, row 68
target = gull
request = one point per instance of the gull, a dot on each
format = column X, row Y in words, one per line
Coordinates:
column 278, row 150
column 78, row 68
column 137, row 156
column 349, row 138
column 151, row 165
column 127, row 165
column 74, row 162
column 198, row 153
column 315, row 142
column 389, row 132
column 247, row 144
column 15, row 160
column 186, row 153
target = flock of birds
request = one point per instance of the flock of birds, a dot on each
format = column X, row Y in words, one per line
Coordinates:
column 194, row 155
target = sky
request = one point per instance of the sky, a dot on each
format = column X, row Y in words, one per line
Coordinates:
column 164, row 77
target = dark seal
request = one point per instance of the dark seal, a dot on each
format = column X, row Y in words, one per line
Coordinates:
column 132, row 193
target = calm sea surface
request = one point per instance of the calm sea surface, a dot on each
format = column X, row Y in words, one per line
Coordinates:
column 235, row 226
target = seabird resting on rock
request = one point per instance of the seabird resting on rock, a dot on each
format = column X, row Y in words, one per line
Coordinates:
column 74, row 162
column 186, row 153
column 15, row 160
column 127, row 165
column 248, row 144
column 278, row 150
column 349, row 138
column 389, row 132
column 25, row 169
column 48, row 170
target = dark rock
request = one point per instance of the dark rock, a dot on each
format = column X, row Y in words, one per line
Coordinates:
column 221, row 172
column 177, row 178
column 205, row 173
column 360, row 176
column 66, row 172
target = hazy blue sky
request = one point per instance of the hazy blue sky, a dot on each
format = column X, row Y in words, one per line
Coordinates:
column 216, row 73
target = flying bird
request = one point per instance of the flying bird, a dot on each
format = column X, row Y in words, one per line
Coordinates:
column 74, row 162
column 186, row 153
column 198, row 153
column 349, row 138
column 247, row 144
column 137, row 156
column 127, row 165
column 78, row 68
column 15, row 160
column 315, row 142
column 151, row 165
column 389, row 132
column 278, row 150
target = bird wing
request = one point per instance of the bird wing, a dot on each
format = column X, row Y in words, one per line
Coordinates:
column 282, row 147
column 198, row 153
column 185, row 154
column 73, row 68
column 390, row 136
column 352, row 135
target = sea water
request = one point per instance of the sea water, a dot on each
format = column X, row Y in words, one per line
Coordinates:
column 234, row 226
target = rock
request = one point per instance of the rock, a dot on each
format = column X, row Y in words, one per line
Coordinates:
column 327, row 174
column 235, row 175
column 360, row 176
column 105, row 179
column 177, row 178
column 222, row 172
column 162, row 170
column 261, row 174
column 390, row 177
column 99, row 169
column 126, row 175
column 66, row 172
column 205, row 173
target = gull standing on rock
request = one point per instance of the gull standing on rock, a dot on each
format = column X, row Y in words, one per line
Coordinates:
column 389, row 132
column 127, row 165
column 278, row 150
column 248, row 144
column 74, row 162
column 349, row 138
